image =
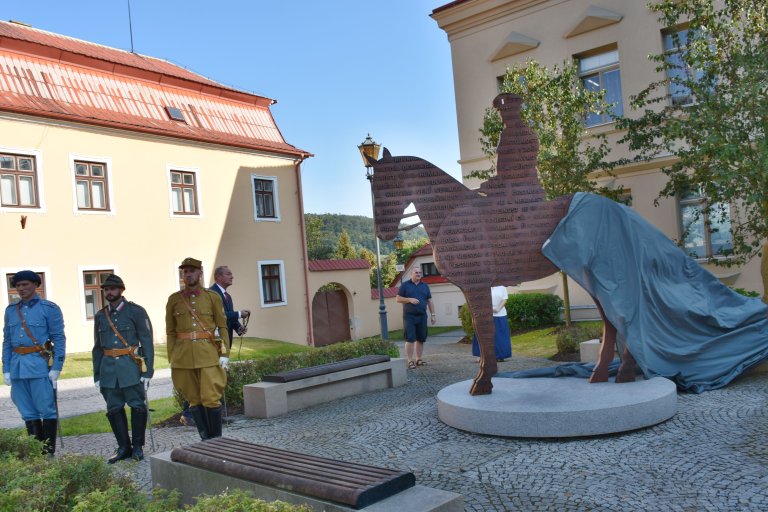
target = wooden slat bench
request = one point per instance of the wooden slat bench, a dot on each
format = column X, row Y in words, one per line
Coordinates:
column 211, row 466
column 296, row 389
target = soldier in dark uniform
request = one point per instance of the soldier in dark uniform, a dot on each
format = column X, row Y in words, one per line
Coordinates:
column 198, row 348
column 122, row 336
column 27, row 367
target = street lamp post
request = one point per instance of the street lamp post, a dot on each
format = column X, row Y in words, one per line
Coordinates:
column 369, row 148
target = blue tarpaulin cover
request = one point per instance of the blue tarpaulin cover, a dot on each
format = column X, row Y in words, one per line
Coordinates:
column 678, row 320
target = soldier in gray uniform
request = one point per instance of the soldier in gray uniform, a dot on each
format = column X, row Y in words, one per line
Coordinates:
column 123, row 357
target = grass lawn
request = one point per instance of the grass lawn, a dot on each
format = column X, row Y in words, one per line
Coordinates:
column 80, row 364
column 540, row 343
column 97, row 423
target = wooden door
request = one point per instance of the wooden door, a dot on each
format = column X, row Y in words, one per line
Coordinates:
column 330, row 318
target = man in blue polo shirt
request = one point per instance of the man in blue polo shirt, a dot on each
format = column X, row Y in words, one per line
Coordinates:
column 416, row 298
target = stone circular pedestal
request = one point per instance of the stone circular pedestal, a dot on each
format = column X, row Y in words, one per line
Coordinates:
column 557, row 407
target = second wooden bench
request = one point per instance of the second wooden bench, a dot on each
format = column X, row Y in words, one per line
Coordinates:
column 296, row 389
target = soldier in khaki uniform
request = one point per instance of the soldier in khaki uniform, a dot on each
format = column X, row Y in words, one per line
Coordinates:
column 198, row 357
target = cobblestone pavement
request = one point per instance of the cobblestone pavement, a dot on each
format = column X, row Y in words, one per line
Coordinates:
column 712, row 455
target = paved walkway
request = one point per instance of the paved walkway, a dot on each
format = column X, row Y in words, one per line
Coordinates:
column 713, row 455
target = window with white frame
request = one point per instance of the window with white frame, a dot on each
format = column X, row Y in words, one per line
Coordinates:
column 706, row 227
column 272, row 278
column 678, row 72
column 600, row 71
column 18, row 181
column 94, row 297
column 184, row 192
column 265, row 199
column 91, row 186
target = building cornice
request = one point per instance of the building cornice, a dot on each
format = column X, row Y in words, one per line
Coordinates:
column 459, row 19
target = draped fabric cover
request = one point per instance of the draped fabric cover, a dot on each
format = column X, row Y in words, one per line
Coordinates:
column 678, row 320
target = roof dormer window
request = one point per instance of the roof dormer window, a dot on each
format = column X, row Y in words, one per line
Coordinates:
column 175, row 114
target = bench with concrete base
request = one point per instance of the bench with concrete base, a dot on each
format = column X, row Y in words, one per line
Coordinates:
column 214, row 465
column 296, row 389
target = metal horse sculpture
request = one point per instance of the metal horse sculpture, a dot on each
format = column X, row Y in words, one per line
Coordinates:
column 481, row 238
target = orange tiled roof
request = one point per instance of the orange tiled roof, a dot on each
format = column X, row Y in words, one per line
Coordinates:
column 50, row 75
column 327, row 265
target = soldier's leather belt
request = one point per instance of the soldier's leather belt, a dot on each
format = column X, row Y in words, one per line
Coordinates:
column 26, row 350
column 194, row 335
column 117, row 352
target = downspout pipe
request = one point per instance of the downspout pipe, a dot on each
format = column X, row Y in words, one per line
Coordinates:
column 308, row 305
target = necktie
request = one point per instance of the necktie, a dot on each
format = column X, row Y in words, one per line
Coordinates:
column 227, row 298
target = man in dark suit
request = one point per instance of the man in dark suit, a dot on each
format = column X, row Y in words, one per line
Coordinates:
column 223, row 280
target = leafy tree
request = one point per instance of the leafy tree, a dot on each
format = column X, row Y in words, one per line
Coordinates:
column 370, row 257
column 359, row 228
column 344, row 248
column 410, row 247
column 317, row 246
column 710, row 112
column 555, row 104
column 388, row 270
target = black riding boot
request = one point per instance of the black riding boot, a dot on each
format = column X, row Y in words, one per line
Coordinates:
column 119, row 423
column 201, row 421
column 138, row 428
column 49, row 436
column 214, row 421
column 35, row 429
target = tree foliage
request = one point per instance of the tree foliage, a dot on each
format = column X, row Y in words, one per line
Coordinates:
column 717, row 135
column 344, row 249
column 323, row 232
column 554, row 104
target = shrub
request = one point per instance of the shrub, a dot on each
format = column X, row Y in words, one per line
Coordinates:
column 568, row 338
column 466, row 321
column 524, row 311
column 17, row 443
column 250, row 372
column 530, row 310
column 746, row 293
column 241, row 501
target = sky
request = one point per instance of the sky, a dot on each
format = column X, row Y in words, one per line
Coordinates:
column 339, row 69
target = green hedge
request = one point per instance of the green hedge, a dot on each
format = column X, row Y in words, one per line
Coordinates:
column 568, row 339
column 250, row 372
column 524, row 311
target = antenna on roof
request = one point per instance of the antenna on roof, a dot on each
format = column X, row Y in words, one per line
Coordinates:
column 130, row 24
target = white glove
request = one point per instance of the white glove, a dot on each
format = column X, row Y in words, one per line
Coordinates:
column 145, row 382
column 97, row 385
column 7, row 379
column 224, row 362
column 54, row 376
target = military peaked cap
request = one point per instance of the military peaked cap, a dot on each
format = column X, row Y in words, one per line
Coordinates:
column 113, row 280
column 25, row 275
column 191, row 262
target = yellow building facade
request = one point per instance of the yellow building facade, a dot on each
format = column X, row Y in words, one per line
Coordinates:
column 114, row 162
